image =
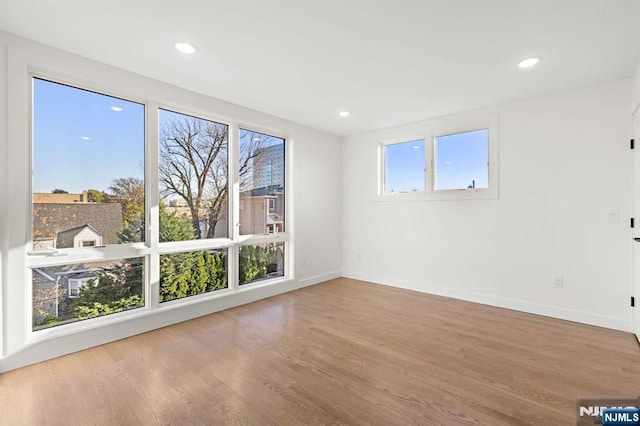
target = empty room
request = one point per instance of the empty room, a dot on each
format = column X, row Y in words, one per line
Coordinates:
column 290, row 212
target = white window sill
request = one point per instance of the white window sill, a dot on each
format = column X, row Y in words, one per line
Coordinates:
column 460, row 194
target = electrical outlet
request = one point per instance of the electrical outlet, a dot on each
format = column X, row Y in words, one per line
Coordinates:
column 304, row 261
column 613, row 216
column 558, row 282
column 359, row 257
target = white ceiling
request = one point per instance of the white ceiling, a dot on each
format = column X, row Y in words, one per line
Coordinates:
column 387, row 61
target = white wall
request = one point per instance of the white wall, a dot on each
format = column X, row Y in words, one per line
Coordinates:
column 316, row 174
column 635, row 111
column 3, row 183
column 635, row 103
column 564, row 164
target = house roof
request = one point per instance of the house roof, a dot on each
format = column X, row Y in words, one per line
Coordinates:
column 52, row 218
column 65, row 238
column 264, row 191
column 75, row 231
column 74, row 270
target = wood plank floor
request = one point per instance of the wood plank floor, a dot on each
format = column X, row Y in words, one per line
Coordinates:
column 340, row 352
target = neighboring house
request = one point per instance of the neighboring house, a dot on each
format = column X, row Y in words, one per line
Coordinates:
column 46, row 197
column 80, row 236
column 53, row 286
column 180, row 208
column 69, row 225
column 76, row 224
column 262, row 210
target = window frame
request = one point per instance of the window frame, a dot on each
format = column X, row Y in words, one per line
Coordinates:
column 278, row 237
column 150, row 250
column 429, row 132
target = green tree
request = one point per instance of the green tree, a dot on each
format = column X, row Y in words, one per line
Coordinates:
column 96, row 196
column 257, row 262
column 114, row 290
column 175, row 268
column 216, row 265
column 174, row 228
column 129, row 192
column 253, row 263
column 175, row 275
column 199, row 275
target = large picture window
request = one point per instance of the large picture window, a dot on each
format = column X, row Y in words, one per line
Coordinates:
column 198, row 210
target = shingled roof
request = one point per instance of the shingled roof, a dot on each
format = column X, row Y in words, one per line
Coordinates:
column 50, row 218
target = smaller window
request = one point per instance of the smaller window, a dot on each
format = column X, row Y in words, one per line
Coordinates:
column 89, row 243
column 74, row 288
column 75, row 285
column 462, row 160
column 457, row 160
column 272, row 204
column 404, row 167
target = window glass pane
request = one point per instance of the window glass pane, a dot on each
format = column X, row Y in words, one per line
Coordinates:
column 462, row 160
column 193, row 177
column 194, row 272
column 88, row 168
column 405, row 166
column 261, row 262
column 79, row 291
column 262, row 183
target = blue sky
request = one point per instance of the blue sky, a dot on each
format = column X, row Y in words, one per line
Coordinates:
column 405, row 167
column 460, row 159
column 62, row 117
column 84, row 140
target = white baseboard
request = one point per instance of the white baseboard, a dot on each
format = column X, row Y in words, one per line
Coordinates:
column 57, row 346
column 501, row 302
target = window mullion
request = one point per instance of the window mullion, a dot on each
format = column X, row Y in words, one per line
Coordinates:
column 233, row 208
column 429, row 162
column 152, row 199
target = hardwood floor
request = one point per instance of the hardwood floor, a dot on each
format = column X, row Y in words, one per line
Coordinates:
column 340, row 352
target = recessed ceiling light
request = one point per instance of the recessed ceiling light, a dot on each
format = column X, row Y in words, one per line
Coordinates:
column 116, row 108
column 85, row 138
column 344, row 113
column 185, row 48
column 416, row 147
column 257, row 139
column 529, row 62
